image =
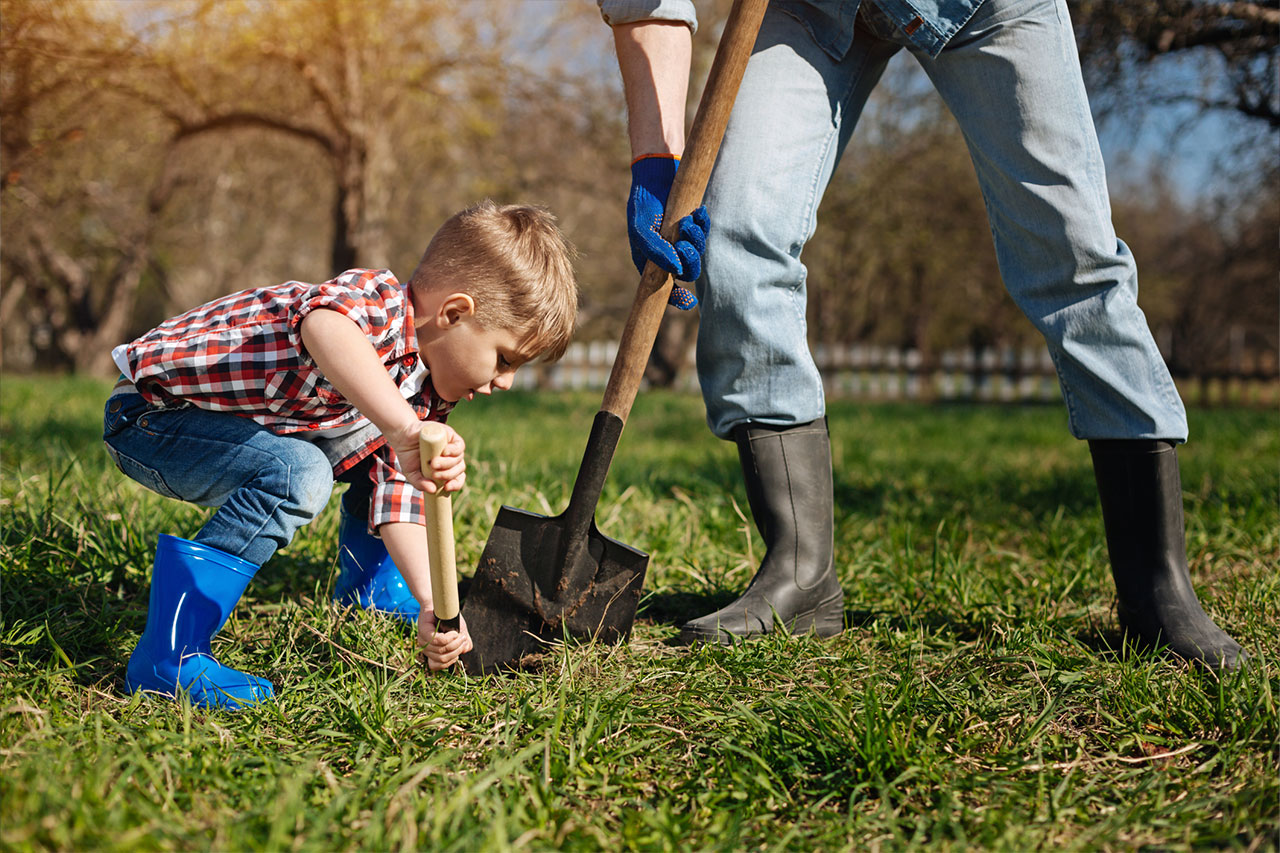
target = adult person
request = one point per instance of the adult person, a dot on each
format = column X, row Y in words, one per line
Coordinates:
column 1009, row 73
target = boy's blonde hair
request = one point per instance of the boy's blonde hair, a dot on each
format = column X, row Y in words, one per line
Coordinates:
column 517, row 266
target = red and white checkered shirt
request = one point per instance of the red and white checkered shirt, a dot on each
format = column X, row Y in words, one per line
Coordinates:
column 243, row 354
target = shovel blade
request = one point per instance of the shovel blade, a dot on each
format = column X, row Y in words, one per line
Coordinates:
column 522, row 597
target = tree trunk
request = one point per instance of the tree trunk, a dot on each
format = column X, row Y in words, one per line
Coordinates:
column 11, row 296
column 346, row 218
column 671, row 349
column 107, row 331
column 379, row 174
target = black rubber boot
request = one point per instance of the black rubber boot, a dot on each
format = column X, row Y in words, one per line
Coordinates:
column 1141, row 496
column 788, row 475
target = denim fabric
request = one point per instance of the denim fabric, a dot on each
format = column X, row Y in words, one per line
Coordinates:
column 926, row 24
column 616, row 12
column 357, row 498
column 1012, row 80
column 265, row 485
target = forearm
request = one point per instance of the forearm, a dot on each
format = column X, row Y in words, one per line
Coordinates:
column 407, row 544
column 351, row 364
column 653, row 57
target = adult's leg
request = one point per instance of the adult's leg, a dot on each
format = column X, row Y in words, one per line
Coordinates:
column 793, row 116
column 1012, row 79
column 788, row 476
column 1141, row 494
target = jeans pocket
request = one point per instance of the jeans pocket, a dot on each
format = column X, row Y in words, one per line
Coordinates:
column 161, row 420
column 147, row 476
column 120, row 411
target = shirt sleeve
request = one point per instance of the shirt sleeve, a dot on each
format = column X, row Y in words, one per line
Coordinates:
column 372, row 299
column 617, row 12
column 393, row 498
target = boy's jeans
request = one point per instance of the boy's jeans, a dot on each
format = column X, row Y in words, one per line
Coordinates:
column 1011, row 78
column 265, row 485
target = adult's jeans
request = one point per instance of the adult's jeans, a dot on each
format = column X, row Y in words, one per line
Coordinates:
column 265, row 485
column 1011, row 78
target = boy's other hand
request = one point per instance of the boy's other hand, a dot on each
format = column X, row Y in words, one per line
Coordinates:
column 450, row 467
column 441, row 649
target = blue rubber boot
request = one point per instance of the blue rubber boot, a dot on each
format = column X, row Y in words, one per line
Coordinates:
column 367, row 576
column 193, row 590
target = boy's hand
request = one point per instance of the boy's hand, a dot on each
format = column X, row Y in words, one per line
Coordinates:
column 440, row 650
column 450, row 467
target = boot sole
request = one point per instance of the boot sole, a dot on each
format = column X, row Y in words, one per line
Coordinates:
column 1219, row 659
column 142, row 676
column 826, row 620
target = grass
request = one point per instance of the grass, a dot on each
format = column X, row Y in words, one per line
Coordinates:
column 979, row 699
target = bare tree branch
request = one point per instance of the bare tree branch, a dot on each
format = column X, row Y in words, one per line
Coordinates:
column 240, row 120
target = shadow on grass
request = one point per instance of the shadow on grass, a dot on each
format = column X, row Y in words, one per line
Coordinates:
column 676, row 608
column 1103, row 640
column 936, row 490
column 77, row 625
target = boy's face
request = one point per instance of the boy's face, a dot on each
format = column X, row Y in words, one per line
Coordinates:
column 466, row 359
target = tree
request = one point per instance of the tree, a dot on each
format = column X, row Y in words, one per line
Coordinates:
column 126, row 140
column 332, row 76
column 1208, row 258
column 1208, row 276
column 79, row 203
column 1235, row 43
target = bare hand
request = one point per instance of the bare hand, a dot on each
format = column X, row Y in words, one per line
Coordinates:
column 441, row 649
column 449, row 468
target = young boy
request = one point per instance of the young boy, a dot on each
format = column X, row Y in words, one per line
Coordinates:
column 255, row 403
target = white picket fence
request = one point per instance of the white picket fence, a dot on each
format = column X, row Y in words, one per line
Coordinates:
column 857, row 372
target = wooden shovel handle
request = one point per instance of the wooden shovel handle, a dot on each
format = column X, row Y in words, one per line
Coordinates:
column 686, row 194
column 444, row 571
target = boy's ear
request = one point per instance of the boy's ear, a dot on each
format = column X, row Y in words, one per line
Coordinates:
column 455, row 308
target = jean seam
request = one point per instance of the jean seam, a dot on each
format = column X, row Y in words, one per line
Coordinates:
column 1084, row 120
column 811, row 202
column 152, row 410
column 1163, row 379
column 1068, row 398
column 268, row 515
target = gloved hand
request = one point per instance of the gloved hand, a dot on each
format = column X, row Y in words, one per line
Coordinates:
column 651, row 178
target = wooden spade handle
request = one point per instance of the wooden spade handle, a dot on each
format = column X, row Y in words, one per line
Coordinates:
column 444, row 571
column 686, row 194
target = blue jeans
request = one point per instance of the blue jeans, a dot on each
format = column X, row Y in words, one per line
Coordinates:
column 1012, row 80
column 265, row 485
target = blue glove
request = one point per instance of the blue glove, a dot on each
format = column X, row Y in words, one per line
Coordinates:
column 651, row 178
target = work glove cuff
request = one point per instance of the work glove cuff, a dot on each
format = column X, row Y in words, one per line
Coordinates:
column 655, row 173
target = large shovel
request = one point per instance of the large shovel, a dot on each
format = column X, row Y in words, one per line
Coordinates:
column 541, row 578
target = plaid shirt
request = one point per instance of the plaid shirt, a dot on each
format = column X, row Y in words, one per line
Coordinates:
column 243, row 354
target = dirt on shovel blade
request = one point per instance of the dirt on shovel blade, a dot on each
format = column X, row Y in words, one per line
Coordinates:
column 528, row 591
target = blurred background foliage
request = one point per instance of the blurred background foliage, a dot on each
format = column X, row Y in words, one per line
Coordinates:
column 159, row 153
